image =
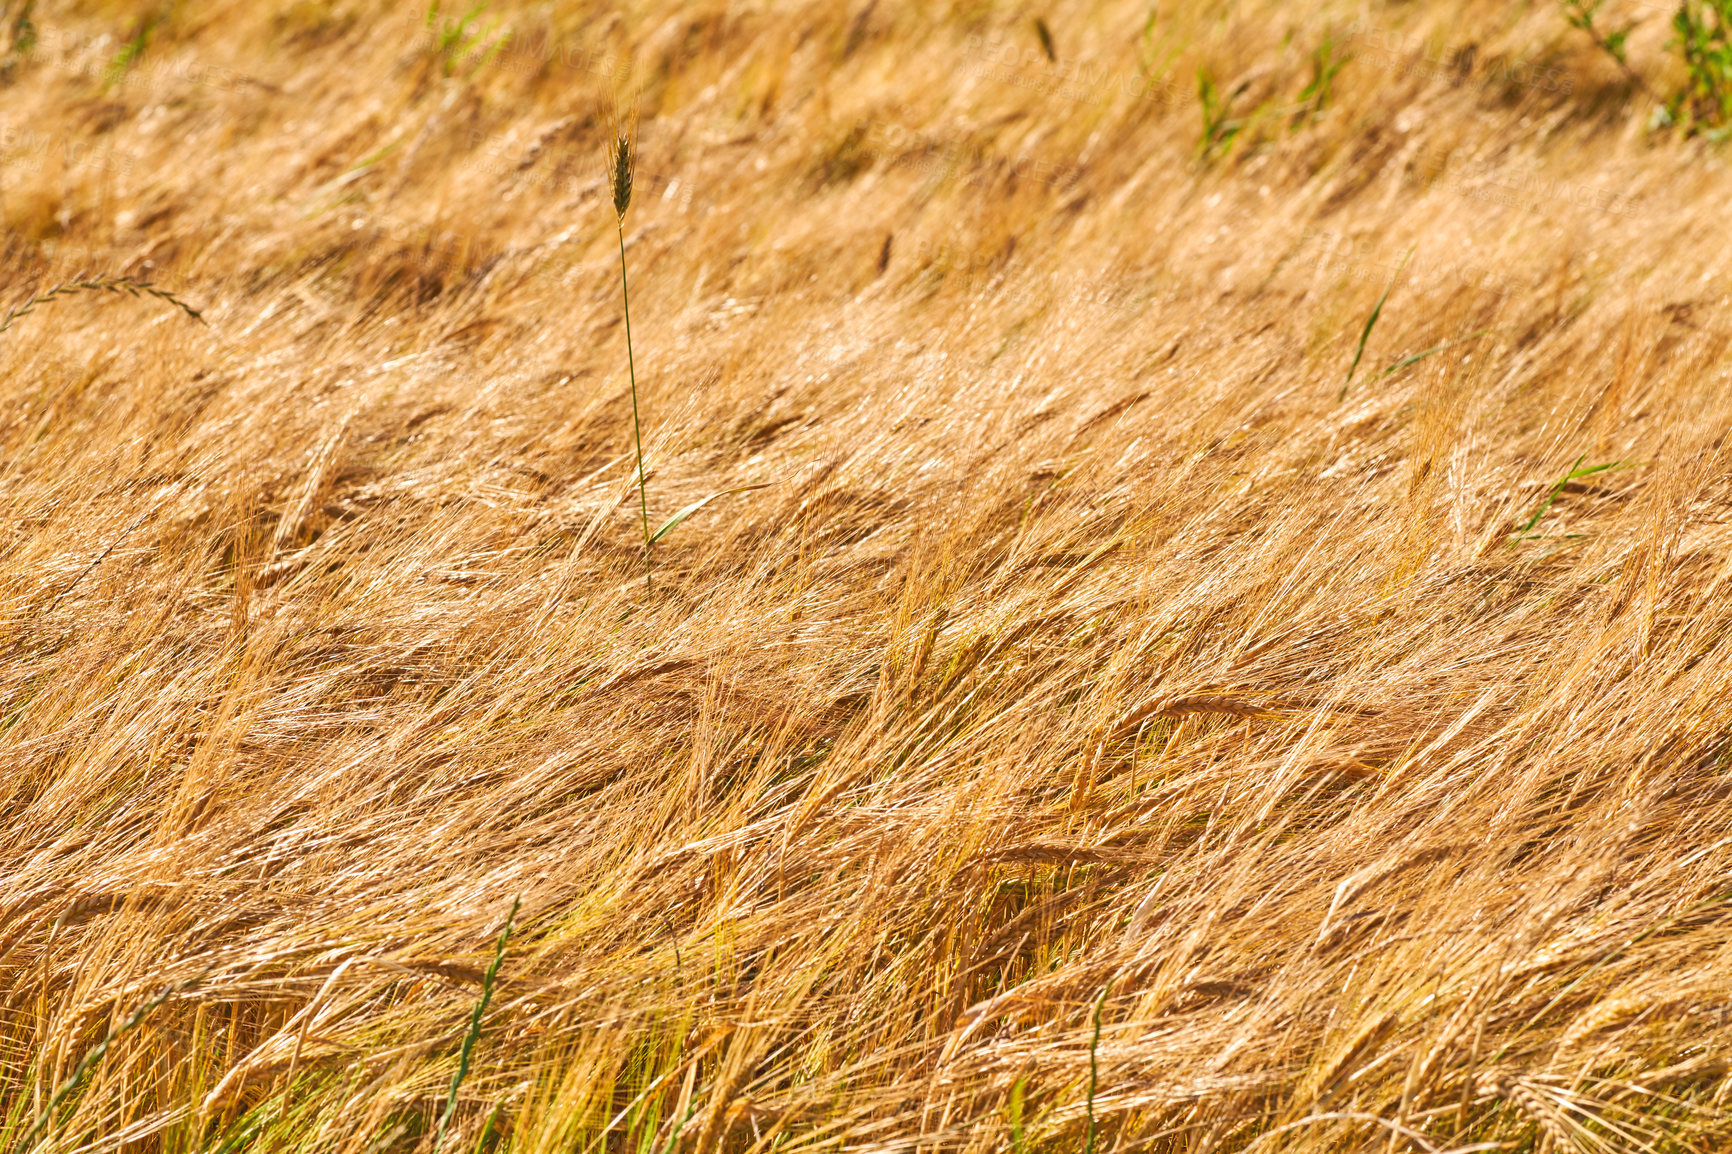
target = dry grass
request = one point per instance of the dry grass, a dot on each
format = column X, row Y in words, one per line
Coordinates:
column 1080, row 638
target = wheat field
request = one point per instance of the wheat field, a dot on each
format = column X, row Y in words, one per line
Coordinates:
column 1085, row 717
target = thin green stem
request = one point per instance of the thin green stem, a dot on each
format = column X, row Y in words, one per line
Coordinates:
column 1094, row 1065
column 92, row 1057
column 468, row 1049
column 636, row 426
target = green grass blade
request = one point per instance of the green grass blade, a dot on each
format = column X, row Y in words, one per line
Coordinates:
column 673, row 522
column 1552, row 495
column 1592, row 469
column 1576, row 473
column 1370, row 323
column 1409, row 361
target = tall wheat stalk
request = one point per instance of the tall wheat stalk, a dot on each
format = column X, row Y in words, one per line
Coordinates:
column 619, row 179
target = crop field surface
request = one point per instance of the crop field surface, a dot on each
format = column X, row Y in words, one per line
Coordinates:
column 1145, row 578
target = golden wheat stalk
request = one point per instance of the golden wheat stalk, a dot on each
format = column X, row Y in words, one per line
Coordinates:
column 115, row 284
